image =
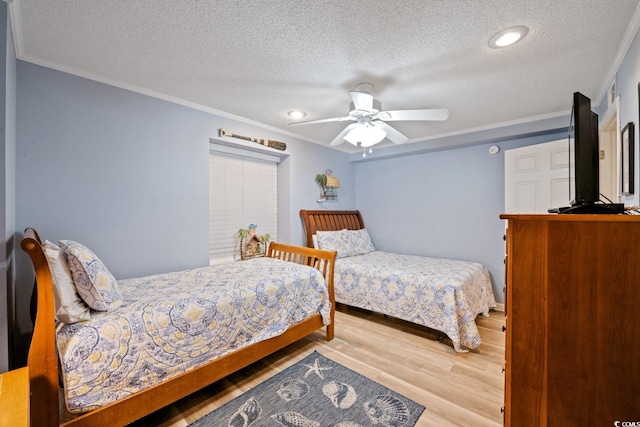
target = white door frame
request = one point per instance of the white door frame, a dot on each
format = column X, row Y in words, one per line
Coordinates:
column 609, row 140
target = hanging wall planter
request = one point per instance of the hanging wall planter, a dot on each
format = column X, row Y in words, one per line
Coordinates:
column 328, row 185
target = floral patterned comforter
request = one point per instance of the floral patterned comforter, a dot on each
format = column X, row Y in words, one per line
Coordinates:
column 170, row 323
column 442, row 294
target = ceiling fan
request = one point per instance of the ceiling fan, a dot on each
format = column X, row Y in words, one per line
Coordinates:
column 370, row 127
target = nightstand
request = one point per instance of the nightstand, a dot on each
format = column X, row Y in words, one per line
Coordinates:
column 14, row 398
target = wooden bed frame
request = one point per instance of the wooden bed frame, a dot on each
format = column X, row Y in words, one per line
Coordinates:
column 329, row 221
column 317, row 220
column 43, row 361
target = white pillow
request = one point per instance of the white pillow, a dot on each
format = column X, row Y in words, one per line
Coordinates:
column 346, row 242
column 94, row 282
column 360, row 242
column 69, row 307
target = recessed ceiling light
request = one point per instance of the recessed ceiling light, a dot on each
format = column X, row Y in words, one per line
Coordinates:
column 508, row 37
column 296, row 114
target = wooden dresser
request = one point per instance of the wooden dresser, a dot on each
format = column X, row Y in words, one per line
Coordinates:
column 572, row 320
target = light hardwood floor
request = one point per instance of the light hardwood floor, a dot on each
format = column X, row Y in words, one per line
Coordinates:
column 457, row 389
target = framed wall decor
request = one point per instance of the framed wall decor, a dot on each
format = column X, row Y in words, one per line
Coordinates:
column 627, row 160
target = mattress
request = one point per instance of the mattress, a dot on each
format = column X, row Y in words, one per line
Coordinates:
column 171, row 323
column 443, row 294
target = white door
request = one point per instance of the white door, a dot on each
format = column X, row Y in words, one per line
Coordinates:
column 537, row 177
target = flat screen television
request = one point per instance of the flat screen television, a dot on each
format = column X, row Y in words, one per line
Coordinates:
column 583, row 152
column 584, row 158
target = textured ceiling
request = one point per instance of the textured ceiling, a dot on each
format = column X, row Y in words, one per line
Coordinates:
column 259, row 59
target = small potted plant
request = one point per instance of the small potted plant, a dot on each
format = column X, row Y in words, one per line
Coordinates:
column 321, row 180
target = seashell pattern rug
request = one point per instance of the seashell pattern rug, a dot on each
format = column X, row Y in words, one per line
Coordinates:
column 316, row 392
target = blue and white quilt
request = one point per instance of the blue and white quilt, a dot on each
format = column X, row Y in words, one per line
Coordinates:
column 171, row 323
column 442, row 294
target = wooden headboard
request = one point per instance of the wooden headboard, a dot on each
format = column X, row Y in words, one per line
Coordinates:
column 329, row 221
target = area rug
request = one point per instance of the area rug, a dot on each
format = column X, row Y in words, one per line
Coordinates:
column 316, row 392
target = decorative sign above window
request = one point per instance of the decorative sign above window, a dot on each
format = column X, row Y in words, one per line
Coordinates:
column 278, row 145
column 328, row 184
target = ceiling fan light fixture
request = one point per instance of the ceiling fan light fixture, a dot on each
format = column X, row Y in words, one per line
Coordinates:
column 355, row 135
column 508, row 37
column 369, row 123
column 366, row 134
column 296, row 114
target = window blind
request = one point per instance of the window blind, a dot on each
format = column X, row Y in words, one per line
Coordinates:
column 243, row 190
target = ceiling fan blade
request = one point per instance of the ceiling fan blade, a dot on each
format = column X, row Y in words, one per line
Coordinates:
column 393, row 135
column 417, row 115
column 340, row 138
column 333, row 119
column 362, row 101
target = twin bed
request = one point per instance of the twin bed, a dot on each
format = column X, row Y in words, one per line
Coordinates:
column 442, row 294
column 147, row 342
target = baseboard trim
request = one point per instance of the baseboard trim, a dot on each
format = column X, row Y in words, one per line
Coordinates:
column 499, row 307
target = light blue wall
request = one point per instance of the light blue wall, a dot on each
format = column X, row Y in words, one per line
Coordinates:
column 627, row 80
column 127, row 175
column 310, row 160
column 443, row 203
column 121, row 172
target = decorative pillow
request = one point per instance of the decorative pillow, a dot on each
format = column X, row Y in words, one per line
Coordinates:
column 69, row 307
column 333, row 241
column 346, row 242
column 359, row 242
column 94, row 283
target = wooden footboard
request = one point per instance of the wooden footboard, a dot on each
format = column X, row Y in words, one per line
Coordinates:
column 329, row 221
column 322, row 261
column 43, row 362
